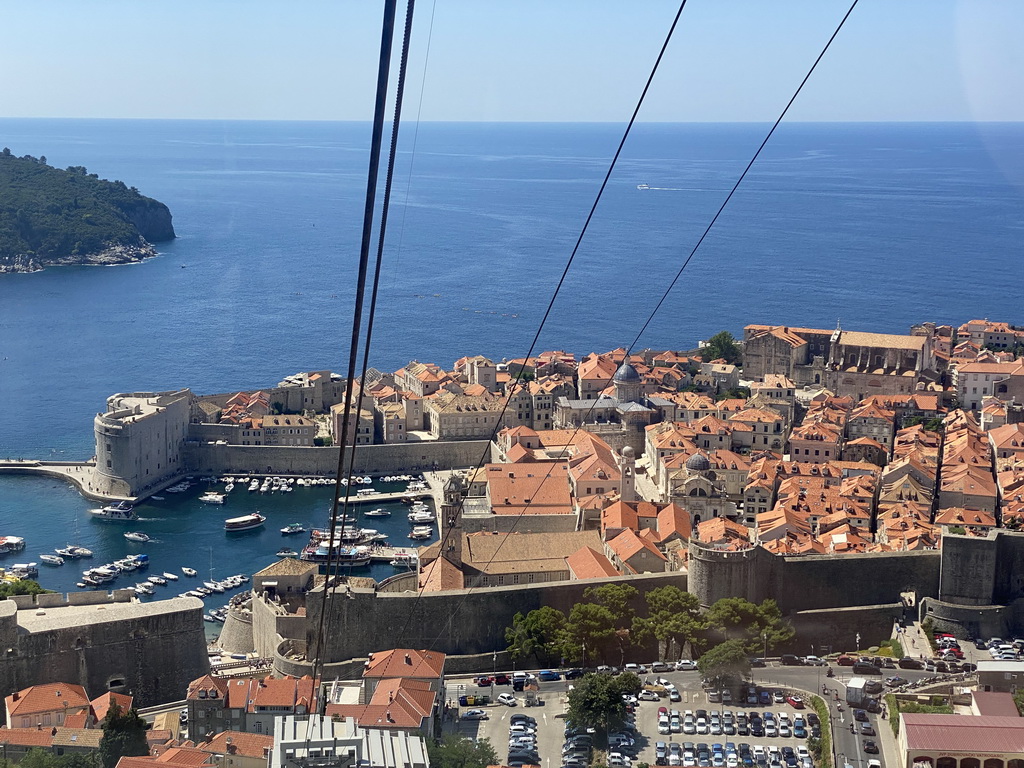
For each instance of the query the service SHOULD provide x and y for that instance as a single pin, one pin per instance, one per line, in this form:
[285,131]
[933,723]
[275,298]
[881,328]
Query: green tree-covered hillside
[52,216]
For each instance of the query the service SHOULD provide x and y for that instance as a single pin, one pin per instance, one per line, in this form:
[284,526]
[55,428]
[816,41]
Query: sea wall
[209,458]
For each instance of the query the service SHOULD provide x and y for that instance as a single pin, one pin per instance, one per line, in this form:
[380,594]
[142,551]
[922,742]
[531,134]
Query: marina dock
[387,554]
[378,498]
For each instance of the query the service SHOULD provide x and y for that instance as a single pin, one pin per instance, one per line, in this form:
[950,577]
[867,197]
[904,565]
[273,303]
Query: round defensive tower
[714,574]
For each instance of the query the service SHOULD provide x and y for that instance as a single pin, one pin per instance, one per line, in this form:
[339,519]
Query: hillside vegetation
[50,216]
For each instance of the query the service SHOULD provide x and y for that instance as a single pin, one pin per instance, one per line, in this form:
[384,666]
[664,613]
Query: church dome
[698,463]
[626,374]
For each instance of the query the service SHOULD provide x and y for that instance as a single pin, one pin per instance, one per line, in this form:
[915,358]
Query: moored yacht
[245,522]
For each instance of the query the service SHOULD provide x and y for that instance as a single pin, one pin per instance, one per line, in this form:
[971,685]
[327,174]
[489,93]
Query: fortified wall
[103,641]
[981,589]
[457,622]
[206,458]
[812,582]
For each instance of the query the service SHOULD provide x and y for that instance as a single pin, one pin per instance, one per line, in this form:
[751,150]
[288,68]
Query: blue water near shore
[880,226]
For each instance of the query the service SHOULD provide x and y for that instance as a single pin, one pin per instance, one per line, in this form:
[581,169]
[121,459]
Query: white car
[648,696]
[507,699]
[664,726]
[686,665]
[475,714]
[814,661]
[629,699]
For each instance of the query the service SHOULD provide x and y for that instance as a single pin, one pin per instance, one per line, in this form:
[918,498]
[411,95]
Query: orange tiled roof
[405,662]
[586,563]
[255,745]
[48,697]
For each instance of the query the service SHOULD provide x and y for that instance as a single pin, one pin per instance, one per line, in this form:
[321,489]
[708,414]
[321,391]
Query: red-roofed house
[404,663]
[238,749]
[631,553]
[587,563]
[45,705]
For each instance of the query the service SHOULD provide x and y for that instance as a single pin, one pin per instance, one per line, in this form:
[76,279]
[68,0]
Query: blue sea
[878,226]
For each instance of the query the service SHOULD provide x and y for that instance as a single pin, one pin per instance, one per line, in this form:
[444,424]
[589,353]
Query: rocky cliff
[54,217]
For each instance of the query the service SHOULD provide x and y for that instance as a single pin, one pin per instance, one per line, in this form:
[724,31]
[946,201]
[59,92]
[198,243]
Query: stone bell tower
[451,519]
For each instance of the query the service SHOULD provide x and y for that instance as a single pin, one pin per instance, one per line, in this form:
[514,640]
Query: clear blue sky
[535,60]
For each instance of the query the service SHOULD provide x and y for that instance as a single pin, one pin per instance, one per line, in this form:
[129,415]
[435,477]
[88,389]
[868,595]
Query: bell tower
[451,519]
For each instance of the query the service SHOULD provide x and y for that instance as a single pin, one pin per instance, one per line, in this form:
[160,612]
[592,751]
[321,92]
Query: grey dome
[626,374]
[698,463]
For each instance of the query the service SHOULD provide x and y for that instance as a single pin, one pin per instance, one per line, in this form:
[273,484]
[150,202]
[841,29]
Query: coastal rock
[66,217]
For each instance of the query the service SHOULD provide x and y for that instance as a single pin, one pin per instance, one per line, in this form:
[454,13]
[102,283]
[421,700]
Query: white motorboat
[212,497]
[170,576]
[157,580]
[121,512]
[245,522]
[287,552]
[422,516]
[189,571]
[138,536]
[379,513]
[421,532]
[293,528]
[52,559]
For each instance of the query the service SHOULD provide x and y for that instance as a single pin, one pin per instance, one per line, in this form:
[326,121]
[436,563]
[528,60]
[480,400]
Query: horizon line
[522,122]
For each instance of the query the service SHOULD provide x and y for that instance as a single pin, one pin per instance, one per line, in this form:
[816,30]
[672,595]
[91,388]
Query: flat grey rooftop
[50,619]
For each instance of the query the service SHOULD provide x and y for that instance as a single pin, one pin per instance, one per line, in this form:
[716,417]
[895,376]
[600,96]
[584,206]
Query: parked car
[502,680]
[507,699]
[548,674]
[647,696]
[758,662]
[908,663]
[686,665]
[484,681]
[795,702]
[573,674]
[475,714]
[870,747]
[846,661]
[814,661]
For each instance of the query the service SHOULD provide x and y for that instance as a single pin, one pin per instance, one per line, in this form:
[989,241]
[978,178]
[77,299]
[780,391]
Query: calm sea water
[879,225]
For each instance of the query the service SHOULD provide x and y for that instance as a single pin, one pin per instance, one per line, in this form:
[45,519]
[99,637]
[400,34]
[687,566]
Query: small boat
[379,513]
[73,551]
[208,617]
[52,559]
[287,552]
[229,488]
[188,571]
[213,586]
[404,560]
[170,576]
[121,512]
[160,580]
[421,516]
[196,593]
[137,536]
[145,588]
[157,498]
[244,523]
[421,532]
[643,186]
[293,528]
[212,497]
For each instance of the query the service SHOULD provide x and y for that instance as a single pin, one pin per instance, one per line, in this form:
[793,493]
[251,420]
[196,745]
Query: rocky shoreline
[112,256]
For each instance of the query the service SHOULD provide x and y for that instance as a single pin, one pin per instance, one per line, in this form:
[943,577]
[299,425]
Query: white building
[320,742]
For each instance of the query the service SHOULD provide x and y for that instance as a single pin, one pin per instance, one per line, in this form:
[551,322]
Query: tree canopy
[124,735]
[48,214]
[722,345]
[20,587]
[725,662]
[539,634]
[596,700]
[455,751]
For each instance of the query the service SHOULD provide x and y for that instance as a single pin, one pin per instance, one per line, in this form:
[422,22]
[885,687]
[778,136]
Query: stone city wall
[152,656]
[838,628]
[519,524]
[207,458]
[464,621]
[812,582]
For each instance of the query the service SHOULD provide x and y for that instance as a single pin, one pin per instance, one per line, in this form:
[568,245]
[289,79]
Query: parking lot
[716,734]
